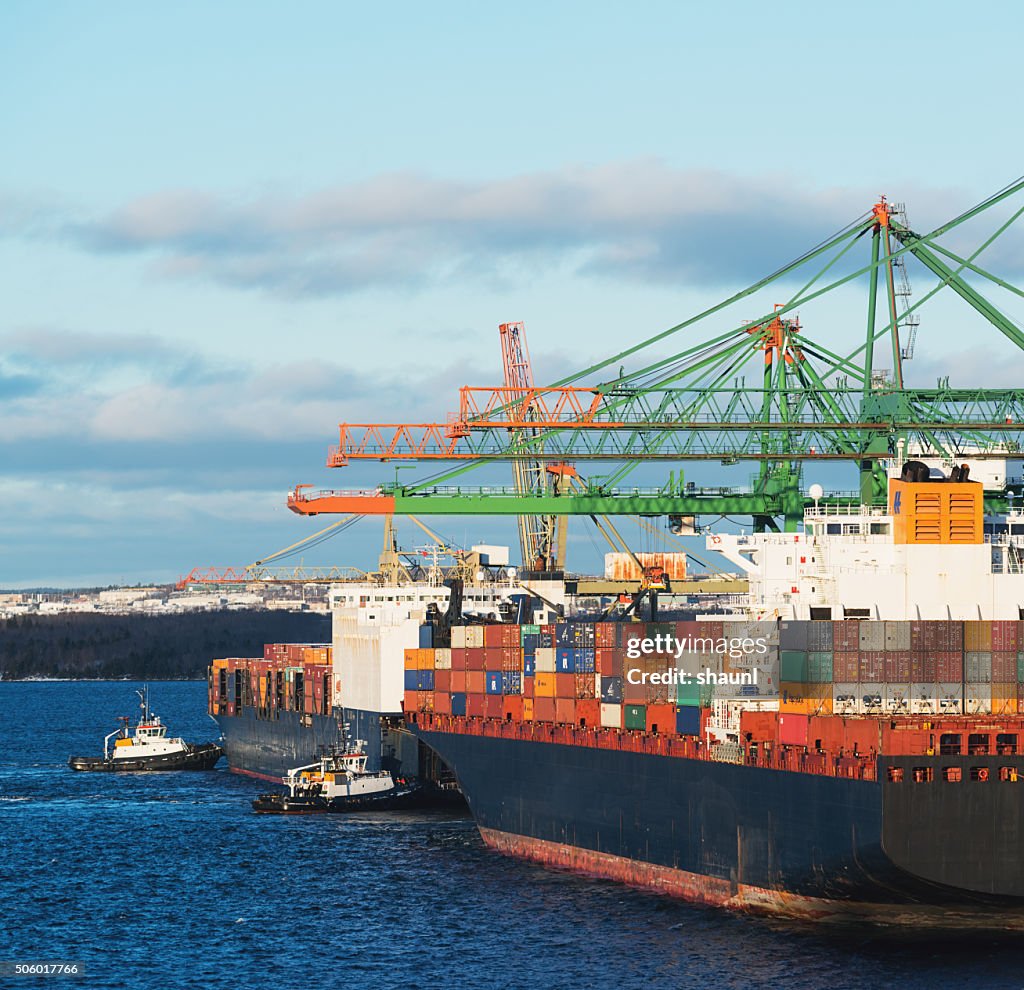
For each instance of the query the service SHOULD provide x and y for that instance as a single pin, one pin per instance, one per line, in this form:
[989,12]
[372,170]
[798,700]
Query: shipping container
[978,697]
[476,705]
[476,682]
[493,705]
[411,680]
[896,698]
[950,667]
[635,717]
[846,667]
[565,660]
[442,658]
[565,685]
[586,685]
[611,690]
[528,709]
[442,703]
[611,716]
[872,664]
[1004,696]
[846,636]
[897,637]
[609,661]
[977,666]
[588,712]
[977,637]
[512,708]
[688,721]
[607,634]
[897,666]
[424,680]
[426,635]
[872,637]
[1005,636]
[442,681]
[545,660]
[458,641]
[565,711]
[949,695]
[494,658]
[794,636]
[458,681]
[793,729]
[1004,666]
[846,697]
[544,685]
[793,665]
[544,709]
[529,665]
[819,637]
[475,637]
[512,683]
[820,667]
[494,682]
[661,719]
[475,658]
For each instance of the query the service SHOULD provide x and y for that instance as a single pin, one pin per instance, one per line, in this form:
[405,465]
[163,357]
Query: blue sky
[225,228]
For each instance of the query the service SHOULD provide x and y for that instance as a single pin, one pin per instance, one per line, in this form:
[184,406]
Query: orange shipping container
[544,685]
[527,709]
[588,712]
[458,682]
[426,659]
[442,703]
[476,682]
[544,709]
[411,659]
[565,685]
[512,708]
[661,719]
[565,711]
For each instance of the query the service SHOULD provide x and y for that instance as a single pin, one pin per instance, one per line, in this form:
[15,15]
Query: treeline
[139,647]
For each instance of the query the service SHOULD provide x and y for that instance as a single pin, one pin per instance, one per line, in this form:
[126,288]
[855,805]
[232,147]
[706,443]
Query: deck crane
[811,402]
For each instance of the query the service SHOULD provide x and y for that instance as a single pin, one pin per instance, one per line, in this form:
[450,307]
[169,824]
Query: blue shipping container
[611,690]
[529,664]
[586,660]
[565,660]
[530,641]
[512,683]
[563,635]
[426,637]
[494,682]
[411,680]
[688,721]
[424,680]
[458,704]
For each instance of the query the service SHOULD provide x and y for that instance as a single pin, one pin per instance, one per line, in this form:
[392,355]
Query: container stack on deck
[902,668]
[294,677]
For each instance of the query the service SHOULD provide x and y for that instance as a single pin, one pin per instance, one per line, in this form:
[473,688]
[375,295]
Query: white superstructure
[846,562]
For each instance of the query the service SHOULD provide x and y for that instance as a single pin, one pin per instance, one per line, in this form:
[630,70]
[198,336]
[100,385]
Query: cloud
[639,220]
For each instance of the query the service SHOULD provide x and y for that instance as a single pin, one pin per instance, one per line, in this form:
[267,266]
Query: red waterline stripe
[259,776]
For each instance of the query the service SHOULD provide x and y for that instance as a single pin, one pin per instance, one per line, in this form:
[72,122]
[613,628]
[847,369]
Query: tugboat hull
[400,798]
[202,757]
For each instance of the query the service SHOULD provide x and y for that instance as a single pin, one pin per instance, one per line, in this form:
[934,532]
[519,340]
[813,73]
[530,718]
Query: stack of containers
[937,667]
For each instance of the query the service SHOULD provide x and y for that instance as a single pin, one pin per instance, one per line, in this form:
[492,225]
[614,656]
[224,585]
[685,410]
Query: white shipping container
[924,699]
[458,637]
[950,698]
[442,658]
[545,660]
[872,636]
[611,716]
[846,699]
[978,698]
[896,699]
[474,637]
[978,667]
[897,636]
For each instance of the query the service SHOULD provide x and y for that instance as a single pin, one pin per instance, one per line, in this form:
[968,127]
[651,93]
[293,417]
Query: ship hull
[202,757]
[742,837]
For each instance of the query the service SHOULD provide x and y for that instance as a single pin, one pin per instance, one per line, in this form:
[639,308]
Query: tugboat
[339,782]
[146,746]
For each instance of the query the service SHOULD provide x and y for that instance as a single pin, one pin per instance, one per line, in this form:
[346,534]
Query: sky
[227,228]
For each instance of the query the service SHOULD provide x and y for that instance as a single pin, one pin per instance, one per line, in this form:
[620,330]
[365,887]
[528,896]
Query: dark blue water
[169,881]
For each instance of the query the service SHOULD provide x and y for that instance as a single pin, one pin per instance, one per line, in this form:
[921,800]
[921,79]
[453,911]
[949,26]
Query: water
[168,880]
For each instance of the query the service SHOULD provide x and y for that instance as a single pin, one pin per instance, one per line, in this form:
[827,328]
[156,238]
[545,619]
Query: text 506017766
[42,967]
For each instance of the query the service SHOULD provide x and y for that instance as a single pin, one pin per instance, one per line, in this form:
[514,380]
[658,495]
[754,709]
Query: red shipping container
[409,701]
[459,658]
[950,666]
[511,659]
[475,658]
[759,726]
[565,711]
[588,712]
[512,708]
[924,668]
[633,694]
[475,704]
[494,635]
[458,681]
[494,658]
[606,634]
[476,682]
[442,681]
[661,719]
[544,709]
[1004,638]
[609,661]
[527,687]
[512,636]
[897,667]
[565,685]
[845,667]
[860,735]
[1004,665]
[872,667]
[442,703]
[793,729]
[706,628]
[846,636]
[825,733]
[585,686]
[492,706]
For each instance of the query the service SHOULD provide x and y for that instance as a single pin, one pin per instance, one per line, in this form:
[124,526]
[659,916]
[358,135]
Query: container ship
[873,770]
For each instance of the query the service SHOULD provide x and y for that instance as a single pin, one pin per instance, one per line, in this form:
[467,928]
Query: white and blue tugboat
[146,746]
[339,782]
